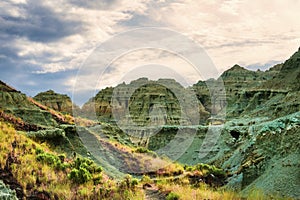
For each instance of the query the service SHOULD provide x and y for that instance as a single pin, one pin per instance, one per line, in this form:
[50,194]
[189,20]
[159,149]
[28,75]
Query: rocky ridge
[141,97]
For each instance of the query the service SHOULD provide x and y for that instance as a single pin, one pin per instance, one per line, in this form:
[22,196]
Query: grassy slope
[34,176]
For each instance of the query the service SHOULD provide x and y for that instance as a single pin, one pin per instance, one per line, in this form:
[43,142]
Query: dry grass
[34,175]
[187,192]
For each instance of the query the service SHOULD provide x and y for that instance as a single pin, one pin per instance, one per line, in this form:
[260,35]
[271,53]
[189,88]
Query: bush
[52,160]
[146,179]
[145,150]
[129,182]
[189,168]
[82,169]
[172,196]
[97,179]
[85,170]
[207,169]
[202,167]
[134,182]
[38,151]
[48,159]
[62,157]
[80,176]
[61,166]
[142,150]
[87,164]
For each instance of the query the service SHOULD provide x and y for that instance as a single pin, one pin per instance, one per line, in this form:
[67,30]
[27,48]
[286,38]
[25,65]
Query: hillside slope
[259,144]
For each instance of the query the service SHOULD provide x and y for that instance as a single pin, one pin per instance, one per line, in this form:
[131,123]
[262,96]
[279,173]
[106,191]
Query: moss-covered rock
[6,193]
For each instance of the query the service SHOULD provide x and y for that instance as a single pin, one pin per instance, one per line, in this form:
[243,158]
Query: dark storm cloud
[39,24]
[8,52]
[8,48]
[15,73]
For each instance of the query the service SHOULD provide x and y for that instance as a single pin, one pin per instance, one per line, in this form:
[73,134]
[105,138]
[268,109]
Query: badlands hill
[247,130]
[258,145]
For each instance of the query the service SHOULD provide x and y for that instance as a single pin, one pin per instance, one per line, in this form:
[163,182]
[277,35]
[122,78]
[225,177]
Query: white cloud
[69,52]
[149,60]
[231,31]
[237,31]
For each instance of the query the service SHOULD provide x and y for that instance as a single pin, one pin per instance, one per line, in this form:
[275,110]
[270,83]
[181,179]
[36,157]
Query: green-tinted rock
[58,102]
[6,193]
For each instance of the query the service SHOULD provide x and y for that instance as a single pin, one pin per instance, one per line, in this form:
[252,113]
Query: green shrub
[84,170]
[97,179]
[189,168]
[74,175]
[206,169]
[134,182]
[62,158]
[48,159]
[87,164]
[128,183]
[80,175]
[61,166]
[56,162]
[172,196]
[217,171]
[142,150]
[145,150]
[202,167]
[146,179]
[38,151]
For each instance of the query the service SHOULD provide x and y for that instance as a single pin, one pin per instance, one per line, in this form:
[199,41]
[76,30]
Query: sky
[48,44]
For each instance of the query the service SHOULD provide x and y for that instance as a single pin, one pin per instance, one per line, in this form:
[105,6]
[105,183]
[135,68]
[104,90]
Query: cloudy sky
[43,44]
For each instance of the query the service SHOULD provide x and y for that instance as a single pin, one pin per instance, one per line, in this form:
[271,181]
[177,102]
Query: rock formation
[59,102]
[143,106]
[260,139]
[142,98]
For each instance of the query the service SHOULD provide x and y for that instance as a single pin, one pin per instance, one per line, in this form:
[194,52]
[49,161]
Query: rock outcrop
[59,102]
[255,93]
[143,107]
[142,98]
